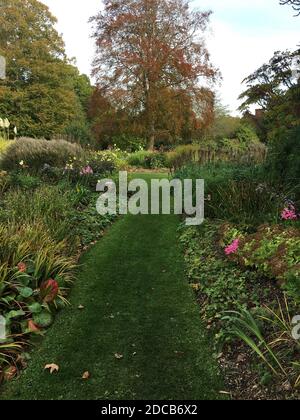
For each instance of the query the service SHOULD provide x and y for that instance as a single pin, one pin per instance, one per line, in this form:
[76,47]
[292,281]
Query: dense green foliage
[284,159]
[147,160]
[219,284]
[43,94]
[274,251]
[238,193]
[275,88]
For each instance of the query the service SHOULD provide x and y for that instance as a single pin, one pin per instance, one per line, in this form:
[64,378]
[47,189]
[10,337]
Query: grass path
[138,304]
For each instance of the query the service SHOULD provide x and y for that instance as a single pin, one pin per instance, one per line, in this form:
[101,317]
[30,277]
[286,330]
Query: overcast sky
[243,35]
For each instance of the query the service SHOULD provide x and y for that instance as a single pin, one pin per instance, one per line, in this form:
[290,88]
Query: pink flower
[87,171]
[289,213]
[231,249]
[22,267]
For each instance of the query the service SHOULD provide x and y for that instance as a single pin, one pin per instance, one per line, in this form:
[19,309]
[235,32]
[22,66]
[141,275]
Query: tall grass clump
[237,193]
[34,154]
[147,160]
[225,151]
[50,205]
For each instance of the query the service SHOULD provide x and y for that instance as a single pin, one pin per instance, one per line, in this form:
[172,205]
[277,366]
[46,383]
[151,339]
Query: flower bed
[250,316]
[274,250]
[43,230]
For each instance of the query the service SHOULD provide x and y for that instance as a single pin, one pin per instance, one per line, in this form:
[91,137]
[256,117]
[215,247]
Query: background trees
[275,88]
[42,93]
[151,54]
[294,3]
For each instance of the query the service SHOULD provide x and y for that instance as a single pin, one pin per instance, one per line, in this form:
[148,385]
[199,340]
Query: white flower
[15,130]
[1,123]
[6,123]
[21,163]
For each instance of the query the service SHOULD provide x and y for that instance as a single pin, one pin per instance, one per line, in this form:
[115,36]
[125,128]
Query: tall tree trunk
[149,115]
[151,136]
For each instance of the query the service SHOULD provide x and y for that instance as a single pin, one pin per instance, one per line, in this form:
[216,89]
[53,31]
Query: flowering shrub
[272,250]
[289,213]
[114,158]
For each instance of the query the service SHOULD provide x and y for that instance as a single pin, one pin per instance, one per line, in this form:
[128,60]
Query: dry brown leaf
[10,373]
[86,375]
[52,367]
[32,326]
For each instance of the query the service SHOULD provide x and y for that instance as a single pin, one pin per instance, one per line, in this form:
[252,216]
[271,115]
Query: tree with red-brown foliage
[148,50]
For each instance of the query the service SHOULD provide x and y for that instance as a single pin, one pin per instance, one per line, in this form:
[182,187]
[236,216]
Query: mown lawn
[137,306]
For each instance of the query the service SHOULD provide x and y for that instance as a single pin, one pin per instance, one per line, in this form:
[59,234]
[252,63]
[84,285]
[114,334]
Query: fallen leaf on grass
[52,367]
[10,373]
[119,356]
[86,375]
[80,307]
[32,326]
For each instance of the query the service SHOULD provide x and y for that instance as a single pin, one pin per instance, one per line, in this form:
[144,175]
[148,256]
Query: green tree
[39,94]
[224,124]
[275,88]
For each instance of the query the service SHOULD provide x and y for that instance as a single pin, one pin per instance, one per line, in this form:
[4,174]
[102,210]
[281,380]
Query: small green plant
[276,347]
[244,326]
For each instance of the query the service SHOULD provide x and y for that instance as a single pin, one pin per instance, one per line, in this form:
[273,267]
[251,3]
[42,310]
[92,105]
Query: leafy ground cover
[244,267]
[133,328]
[250,316]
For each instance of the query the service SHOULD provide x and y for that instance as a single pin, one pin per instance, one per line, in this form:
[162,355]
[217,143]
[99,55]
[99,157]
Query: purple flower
[87,171]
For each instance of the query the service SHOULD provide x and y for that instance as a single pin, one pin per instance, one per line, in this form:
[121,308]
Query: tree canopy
[39,93]
[151,59]
[275,87]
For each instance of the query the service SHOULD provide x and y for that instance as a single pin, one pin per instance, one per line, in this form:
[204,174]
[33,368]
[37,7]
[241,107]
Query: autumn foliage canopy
[152,67]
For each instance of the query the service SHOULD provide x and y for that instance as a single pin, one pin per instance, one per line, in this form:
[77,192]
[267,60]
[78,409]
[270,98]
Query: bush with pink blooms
[274,250]
[290,212]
